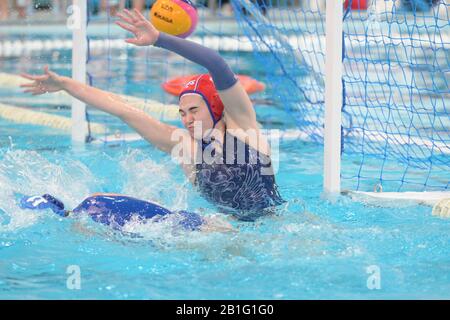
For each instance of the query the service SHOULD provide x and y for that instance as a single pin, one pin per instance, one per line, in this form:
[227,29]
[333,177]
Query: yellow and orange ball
[175,17]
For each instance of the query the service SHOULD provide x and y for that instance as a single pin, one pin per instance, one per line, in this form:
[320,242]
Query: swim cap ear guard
[43,202]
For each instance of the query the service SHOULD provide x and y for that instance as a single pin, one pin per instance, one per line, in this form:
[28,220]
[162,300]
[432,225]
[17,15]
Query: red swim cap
[203,85]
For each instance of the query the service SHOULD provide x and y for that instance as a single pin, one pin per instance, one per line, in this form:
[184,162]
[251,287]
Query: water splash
[30,173]
[153,181]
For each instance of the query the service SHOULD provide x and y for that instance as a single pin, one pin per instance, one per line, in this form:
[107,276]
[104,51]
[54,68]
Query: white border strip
[285,135]
[307,43]
[398,199]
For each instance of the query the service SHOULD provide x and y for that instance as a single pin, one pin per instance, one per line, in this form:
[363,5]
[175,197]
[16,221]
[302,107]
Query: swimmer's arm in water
[154,131]
[216,224]
[239,110]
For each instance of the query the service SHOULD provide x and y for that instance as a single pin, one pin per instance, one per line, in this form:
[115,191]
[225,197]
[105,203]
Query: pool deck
[47,23]
[55,18]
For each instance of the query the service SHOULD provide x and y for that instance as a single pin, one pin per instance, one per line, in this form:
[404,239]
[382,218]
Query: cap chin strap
[203,139]
[216,121]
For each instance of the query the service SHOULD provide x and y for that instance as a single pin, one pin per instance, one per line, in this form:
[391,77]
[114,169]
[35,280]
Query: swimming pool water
[312,248]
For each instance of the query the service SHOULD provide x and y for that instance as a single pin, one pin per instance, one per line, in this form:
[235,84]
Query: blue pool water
[311,249]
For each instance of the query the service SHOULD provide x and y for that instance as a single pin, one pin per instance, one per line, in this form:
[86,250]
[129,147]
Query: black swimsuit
[245,188]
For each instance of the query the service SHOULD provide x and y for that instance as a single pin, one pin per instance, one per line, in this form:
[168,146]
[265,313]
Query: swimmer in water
[116,210]
[234,172]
